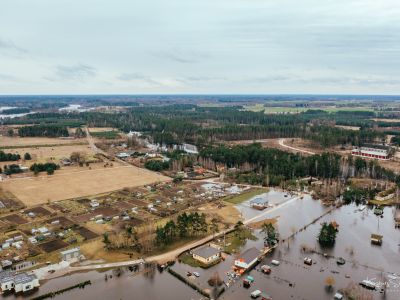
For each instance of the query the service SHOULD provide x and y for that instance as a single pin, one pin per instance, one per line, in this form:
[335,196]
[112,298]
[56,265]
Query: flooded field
[292,279]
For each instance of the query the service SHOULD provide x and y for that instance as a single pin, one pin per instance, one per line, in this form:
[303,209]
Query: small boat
[308,261]
[368,284]
[275,262]
[378,211]
[266,269]
[362,207]
[340,261]
[338,296]
[255,294]
[250,278]
[265,296]
[246,283]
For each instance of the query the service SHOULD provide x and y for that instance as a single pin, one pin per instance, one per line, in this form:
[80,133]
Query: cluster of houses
[17,282]
[16,241]
[39,234]
[211,254]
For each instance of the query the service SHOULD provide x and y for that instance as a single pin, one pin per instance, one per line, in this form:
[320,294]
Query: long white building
[375,153]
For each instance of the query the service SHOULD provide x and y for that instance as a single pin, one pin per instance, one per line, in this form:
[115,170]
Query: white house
[70,254]
[206,254]
[21,282]
[24,282]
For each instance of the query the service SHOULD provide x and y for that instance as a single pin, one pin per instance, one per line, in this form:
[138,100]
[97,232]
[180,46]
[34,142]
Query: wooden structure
[376,239]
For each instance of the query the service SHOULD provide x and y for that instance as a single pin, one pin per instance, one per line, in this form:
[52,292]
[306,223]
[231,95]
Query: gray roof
[6,276]
[259,200]
[69,251]
[249,255]
[23,278]
[206,251]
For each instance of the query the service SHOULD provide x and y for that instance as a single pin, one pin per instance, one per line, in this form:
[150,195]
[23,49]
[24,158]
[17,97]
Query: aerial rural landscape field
[214,206]
[200,150]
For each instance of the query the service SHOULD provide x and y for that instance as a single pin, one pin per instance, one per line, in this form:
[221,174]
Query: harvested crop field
[65,185]
[18,142]
[38,211]
[63,221]
[44,154]
[14,219]
[53,245]
[86,233]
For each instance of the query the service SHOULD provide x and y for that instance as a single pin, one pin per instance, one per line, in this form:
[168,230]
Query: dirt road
[282,143]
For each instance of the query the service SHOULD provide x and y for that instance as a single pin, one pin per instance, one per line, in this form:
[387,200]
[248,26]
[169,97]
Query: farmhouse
[381,154]
[247,259]
[21,282]
[70,254]
[206,255]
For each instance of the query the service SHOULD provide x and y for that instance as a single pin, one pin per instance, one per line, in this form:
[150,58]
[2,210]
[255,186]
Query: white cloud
[207,46]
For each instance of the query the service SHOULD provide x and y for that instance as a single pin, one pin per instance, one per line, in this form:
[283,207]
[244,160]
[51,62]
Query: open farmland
[18,142]
[64,185]
[54,153]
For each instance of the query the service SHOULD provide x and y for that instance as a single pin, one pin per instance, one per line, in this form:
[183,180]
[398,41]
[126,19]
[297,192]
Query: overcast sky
[199,46]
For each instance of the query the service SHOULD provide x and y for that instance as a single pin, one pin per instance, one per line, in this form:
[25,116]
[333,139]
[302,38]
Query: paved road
[282,143]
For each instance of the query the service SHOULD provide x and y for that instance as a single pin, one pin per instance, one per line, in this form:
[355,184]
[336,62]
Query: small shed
[376,239]
[259,203]
[70,254]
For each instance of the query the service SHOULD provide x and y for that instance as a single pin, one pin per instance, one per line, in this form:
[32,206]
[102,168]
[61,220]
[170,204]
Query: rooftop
[259,200]
[69,251]
[206,251]
[249,255]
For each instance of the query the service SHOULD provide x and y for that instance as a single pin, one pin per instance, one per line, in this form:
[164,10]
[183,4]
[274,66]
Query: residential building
[70,254]
[21,282]
[206,255]
[247,259]
[259,203]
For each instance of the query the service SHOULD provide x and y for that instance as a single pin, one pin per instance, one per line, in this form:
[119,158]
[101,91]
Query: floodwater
[292,279]
[156,286]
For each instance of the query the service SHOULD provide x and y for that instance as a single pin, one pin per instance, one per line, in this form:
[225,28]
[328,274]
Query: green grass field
[236,199]
[277,109]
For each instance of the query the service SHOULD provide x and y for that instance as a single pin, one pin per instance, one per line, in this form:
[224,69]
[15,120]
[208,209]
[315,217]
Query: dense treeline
[12,111]
[178,123]
[257,165]
[9,156]
[43,131]
[46,167]
[157,165]
[187,225]
[11,169]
